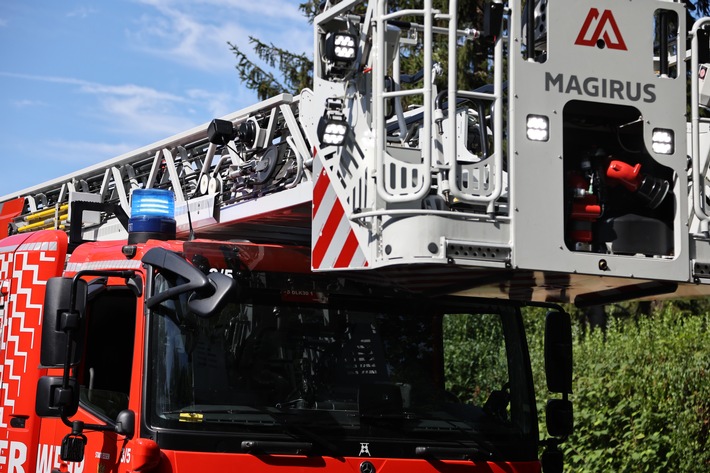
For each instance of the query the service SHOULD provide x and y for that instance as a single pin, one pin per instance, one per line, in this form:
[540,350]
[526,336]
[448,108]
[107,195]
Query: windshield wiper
[271,447]
[470,449]
[302,431]
[212,410]
[280,419]
[477,452]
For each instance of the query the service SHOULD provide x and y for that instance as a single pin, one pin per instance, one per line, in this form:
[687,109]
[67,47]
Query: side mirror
[552,458]
[54,400]
[126,423]
[559,417]
[223,285]
[63,324]
[558,352]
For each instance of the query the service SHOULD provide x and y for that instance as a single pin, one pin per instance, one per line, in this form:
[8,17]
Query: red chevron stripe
[319,190]
[348,251]
[326,236]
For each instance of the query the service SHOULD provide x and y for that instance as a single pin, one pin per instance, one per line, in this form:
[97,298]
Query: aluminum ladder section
[206,177]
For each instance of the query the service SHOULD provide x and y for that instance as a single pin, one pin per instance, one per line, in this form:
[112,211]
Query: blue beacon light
[152,215]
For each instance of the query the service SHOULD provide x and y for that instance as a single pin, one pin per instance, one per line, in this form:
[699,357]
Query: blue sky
[84,81]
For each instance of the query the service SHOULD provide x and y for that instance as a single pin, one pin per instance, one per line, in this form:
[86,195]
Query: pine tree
[295,71]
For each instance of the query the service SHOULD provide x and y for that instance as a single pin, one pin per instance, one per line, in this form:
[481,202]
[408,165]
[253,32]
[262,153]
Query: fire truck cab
[173,355]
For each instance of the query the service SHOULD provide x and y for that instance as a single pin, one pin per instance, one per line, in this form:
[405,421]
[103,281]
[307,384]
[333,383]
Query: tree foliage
[286,71]
[472,55]
[641,392]
[699,7]
[474,356]
[295,70]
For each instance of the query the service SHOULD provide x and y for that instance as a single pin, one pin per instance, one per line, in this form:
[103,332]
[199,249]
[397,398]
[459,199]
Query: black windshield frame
[393,433]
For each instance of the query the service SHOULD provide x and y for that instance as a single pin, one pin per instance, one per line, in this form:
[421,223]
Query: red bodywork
[29,444]
[8,211]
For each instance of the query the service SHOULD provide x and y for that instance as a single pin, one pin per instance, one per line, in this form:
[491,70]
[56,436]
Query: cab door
[106,382]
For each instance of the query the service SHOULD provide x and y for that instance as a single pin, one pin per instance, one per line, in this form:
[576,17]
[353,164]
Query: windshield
[345,375]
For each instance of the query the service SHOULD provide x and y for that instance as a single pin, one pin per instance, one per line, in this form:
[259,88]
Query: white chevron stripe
[24,266]
[5,263]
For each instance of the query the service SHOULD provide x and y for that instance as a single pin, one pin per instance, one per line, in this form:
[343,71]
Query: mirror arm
[160,258]
[72,448]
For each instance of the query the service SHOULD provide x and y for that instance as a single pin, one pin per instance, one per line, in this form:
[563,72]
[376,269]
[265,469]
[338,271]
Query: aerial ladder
[572,176]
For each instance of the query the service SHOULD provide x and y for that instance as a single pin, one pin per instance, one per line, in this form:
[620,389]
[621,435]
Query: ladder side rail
[497,98]
[396,86]
[83,185]
[300,169]
[131,176]
[297,142]
[423,176]
[216,172]
[104,190]
[174,177]
[170,163]
[120,189]
[189,160]
[273,122]
[64,192]
[295,130]
[698,183]
[155,168]
[31,203]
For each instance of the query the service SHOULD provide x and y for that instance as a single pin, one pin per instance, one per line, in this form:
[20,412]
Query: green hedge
[641,393]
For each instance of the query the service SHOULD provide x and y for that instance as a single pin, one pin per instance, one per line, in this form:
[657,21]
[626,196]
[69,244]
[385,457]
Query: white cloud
[218,104]
[28,103]
[129,108]
[148,118]
[83,153]
[81,12]
[128,90]
[282,9]
[179,36]
[3,22]
[195,33]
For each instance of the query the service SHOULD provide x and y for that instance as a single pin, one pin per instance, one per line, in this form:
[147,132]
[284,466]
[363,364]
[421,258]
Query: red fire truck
[162,355]
[335,280]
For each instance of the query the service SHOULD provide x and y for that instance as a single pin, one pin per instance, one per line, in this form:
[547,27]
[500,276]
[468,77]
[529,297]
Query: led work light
[537,128]
[340,47]
[662,141]
[333,127]
[333,131]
